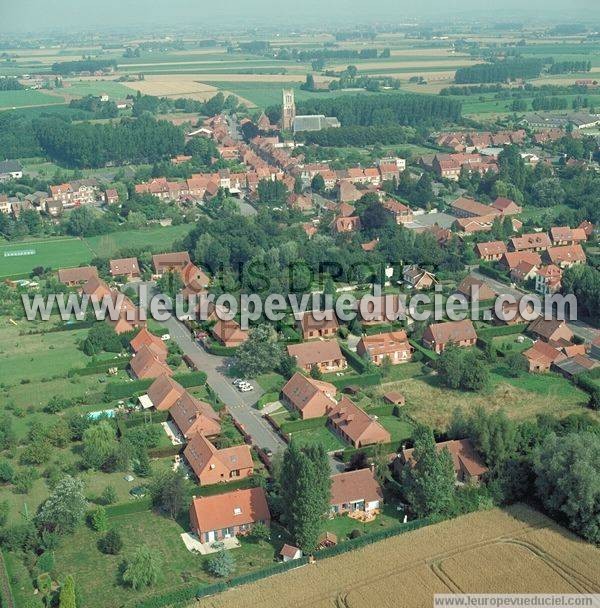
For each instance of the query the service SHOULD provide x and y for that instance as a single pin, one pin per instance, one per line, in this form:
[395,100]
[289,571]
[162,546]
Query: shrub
[111,543]
[98,519]
[7,471]
[222,564]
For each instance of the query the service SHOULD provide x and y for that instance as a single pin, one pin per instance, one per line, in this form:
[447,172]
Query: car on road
[238,381]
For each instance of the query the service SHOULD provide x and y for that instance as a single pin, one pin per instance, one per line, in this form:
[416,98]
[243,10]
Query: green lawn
[398,428]
[510,344]
[81,88]
[342,525]
[322,435]
[271,383]
[98,577]
[55,253]
[19,99]
[158,239]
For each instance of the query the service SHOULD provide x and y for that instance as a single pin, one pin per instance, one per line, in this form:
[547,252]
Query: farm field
[428,401]
[20,99]
[483,552]
[56,253]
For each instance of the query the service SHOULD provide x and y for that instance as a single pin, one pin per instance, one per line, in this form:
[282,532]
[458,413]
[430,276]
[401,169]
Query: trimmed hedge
[300,425]
[171,450]
[220,351]
[494,273]
[428,354]
[586,383]
[99,368]
[502,330]
[371,450]
[356,362]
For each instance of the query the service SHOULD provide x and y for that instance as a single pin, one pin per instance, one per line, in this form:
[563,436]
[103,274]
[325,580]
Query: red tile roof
[353,486]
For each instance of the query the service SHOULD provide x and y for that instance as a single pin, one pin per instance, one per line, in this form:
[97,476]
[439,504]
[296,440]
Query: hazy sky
[73,15]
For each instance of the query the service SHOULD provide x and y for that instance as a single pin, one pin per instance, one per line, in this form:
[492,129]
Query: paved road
[240,405]
[579,328]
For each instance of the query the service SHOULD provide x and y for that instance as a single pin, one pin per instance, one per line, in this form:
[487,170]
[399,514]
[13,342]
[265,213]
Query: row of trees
[83,65]
[499,71]
[361,136]
[567,67]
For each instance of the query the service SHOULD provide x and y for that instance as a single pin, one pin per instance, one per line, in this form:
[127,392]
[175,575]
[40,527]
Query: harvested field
[482,552]
[173,86]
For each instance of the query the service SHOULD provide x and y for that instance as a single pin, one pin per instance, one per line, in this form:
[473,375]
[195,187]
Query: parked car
[165,337]
[244,388]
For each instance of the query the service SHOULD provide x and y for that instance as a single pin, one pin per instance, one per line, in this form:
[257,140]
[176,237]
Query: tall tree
[67,598]
[260,352]
[64,510]
[143,568]
[429,484]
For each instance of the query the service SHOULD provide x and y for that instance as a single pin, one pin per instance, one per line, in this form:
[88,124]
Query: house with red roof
[192,416]
[313,327]
[145,364]
[490,251]
[393,345]
[355,491]
[154,343]
[438,336]
[323,354]
[214,518]
[125,267]
[354,425]
[311,398]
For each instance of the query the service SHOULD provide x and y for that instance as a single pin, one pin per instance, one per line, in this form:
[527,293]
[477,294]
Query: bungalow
[192,416]
[289,553]
[490,251]
[438,336]
[553,330]
[125,267]
[566,256]
[468,465]
[355,491]
[470,286]
[417,278]
[214,518]
[211,465]
[170,262]
[229,333]
[145,364]
[164,392]
[355,426]
[154,343]
[77,276]
[312,398]
[541,356]
[506,206]
[381,309]
[563,235]
[394,345]
[312,327]
[324,354]
[534,241]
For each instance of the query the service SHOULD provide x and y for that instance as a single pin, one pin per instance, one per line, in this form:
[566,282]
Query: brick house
[506,206]
[400,213]
[211,465]
[164,392]
[192,416]
[312,398]
[145,364]
[324,354]
[417,278]
[490,251]
[355,491]
[468,465]
[552,330]
[354,425]
[566,256]
[77,276]
[563,235]
[125,267]
[394,345]
[534,241]
[154,343]
[170,262]
[214,518]
[312,328]
[229,333]
[541,356]
[438,336]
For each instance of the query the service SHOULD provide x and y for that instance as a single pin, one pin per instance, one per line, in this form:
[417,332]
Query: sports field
[24,98]
[22,257]
[484,552]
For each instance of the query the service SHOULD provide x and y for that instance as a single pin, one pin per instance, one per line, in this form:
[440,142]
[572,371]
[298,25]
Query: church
[313,122]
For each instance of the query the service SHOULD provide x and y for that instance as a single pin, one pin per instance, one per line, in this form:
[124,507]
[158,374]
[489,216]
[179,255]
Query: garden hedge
[502,330]
[356,362]
[362,380]
[120,390]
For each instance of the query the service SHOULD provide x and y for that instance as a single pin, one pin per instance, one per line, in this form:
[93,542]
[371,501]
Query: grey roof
[10,166]
[572,366]
[314,122]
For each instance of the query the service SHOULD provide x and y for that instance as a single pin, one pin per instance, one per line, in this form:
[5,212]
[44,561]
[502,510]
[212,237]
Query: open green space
[23,98]
[54,253]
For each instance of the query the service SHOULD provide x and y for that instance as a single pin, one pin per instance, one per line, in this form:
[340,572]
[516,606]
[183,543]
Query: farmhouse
[468,465]
[541,356]
[468,207]
[125,267]
[211,465]
[164,392]
[355,491]
[227,515]
[312,398]
[394,345]
[170,262]
[312,327]
[229,333]
[355,426]
[193,416]
[154,343]
[145,364]
[438,336]
[324,354]
[77,276]
[490,251]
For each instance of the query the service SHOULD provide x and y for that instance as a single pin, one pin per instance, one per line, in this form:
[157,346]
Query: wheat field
[510,550]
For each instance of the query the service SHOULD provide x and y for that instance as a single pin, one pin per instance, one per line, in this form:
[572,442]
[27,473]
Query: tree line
[499,71]
[83,65]
[10,84]
[567,67]
[360,136]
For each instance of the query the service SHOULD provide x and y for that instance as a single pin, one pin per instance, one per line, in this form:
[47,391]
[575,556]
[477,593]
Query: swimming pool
[101,414]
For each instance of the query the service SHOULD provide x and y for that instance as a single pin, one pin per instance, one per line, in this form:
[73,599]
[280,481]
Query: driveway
[239,405]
